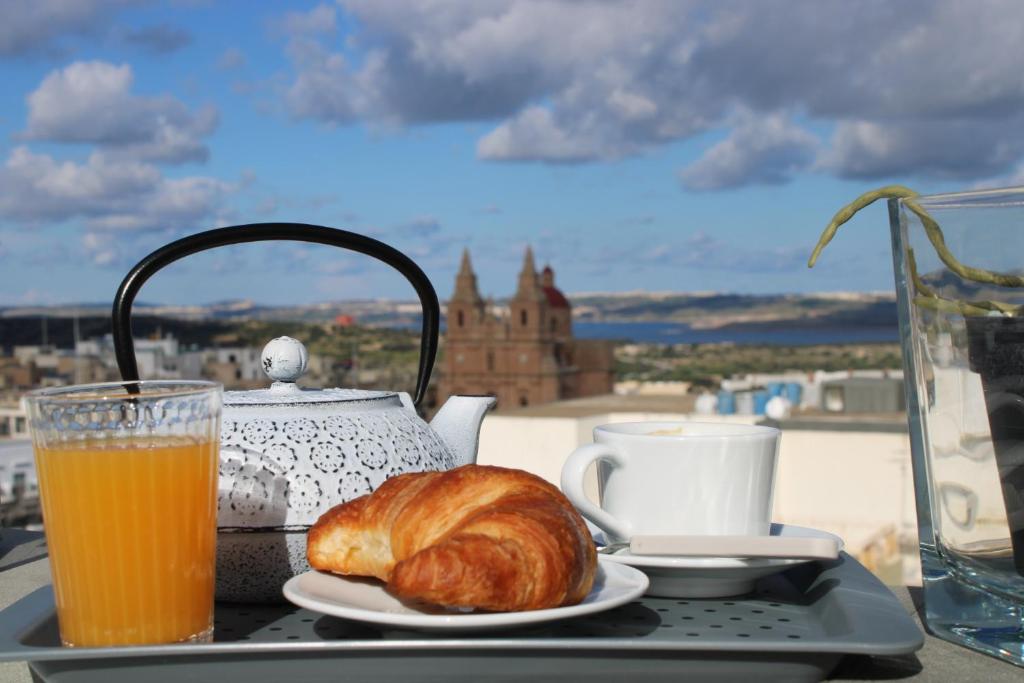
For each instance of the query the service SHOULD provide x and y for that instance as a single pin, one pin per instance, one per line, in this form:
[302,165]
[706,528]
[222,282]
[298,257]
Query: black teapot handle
[124,348]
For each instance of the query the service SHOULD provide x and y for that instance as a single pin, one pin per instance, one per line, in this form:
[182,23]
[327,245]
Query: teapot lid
[285,360]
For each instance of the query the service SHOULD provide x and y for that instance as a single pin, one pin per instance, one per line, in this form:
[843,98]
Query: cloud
[91,102]
[1015,178]
[231,58]
[958,149]
[33,26]
[763,150]
[159,39]
[107,194]
[535,134]
[102,249]
[701,251]
[322,19]
[267,206]
[576,82]
[421,226]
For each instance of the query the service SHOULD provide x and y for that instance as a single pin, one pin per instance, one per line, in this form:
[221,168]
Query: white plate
[710,577]
[366,600]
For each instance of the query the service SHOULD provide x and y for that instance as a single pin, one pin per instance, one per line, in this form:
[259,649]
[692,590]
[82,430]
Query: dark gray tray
[796,626]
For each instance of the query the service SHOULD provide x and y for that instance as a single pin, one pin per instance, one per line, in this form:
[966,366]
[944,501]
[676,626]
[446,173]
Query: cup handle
[572,485]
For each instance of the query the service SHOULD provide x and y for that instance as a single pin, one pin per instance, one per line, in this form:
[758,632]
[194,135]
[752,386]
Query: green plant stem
[927,297]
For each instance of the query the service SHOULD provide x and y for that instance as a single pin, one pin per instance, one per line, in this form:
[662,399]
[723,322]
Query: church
[526,357]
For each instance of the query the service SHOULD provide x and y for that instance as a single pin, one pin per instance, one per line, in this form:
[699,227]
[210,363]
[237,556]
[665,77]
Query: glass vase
[963,352]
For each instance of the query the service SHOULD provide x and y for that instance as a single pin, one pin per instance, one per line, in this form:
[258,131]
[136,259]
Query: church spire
[529,285]
[465,282]
[465,268]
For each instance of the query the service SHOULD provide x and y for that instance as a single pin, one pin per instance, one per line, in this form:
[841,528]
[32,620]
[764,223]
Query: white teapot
[288,454]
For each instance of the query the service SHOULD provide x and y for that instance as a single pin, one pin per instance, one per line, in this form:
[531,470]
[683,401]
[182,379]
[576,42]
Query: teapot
[287,453]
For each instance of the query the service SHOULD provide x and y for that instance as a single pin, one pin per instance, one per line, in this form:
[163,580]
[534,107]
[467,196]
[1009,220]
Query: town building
[527,356]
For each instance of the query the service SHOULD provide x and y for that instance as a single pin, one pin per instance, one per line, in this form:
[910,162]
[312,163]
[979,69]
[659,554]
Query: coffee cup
[677,478]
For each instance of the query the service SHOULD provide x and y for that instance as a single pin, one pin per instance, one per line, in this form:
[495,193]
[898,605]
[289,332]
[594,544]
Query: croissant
[477,536]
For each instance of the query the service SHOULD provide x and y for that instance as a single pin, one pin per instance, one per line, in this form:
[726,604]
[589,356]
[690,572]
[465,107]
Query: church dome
[554,295]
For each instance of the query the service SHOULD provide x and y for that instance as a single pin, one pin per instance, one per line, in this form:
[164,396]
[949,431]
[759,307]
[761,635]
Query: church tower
[523,358]
[528,308]
[466,307]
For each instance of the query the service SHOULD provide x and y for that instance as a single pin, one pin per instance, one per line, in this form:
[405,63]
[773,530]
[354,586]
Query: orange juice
[131,528]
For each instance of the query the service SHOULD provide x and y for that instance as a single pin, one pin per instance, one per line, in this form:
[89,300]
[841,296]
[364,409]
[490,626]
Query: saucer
[365,600]
[709,577]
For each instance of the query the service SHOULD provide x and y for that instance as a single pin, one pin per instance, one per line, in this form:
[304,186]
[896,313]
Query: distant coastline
[776,334]
[662,318]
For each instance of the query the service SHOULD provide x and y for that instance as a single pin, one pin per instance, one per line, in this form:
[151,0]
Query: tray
[796,625]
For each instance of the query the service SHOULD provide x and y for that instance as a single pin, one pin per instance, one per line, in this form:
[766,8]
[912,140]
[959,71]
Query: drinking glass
[128,482]
[963,351]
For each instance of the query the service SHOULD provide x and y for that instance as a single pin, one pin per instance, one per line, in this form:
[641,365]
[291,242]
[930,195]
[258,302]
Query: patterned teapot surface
[289,454]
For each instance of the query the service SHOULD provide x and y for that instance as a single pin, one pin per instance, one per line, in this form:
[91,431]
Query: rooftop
[605,403]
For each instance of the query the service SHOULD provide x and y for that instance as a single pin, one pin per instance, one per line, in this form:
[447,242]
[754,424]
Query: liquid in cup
[130,523]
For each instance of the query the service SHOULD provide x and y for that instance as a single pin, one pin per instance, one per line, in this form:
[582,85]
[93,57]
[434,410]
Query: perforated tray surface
[795,626]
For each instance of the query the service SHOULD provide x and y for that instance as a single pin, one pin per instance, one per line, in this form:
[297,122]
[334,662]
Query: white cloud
[106,194]
[91,102]
[763,150]
[957,149]
[30,26]
[566,81]
[102,248]
[534,134]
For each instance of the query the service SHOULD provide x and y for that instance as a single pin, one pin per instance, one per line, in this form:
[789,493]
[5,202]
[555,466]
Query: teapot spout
[458,424]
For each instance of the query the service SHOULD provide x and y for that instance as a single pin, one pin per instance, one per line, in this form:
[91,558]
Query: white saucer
[366,600]
[709,577]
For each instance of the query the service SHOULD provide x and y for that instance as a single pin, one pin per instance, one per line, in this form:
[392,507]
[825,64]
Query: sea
[681,333]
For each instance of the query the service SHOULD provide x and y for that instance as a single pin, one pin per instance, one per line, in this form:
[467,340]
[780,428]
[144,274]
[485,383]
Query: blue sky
[636,145]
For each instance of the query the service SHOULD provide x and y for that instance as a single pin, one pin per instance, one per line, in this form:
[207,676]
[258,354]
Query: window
[522,317]
[231,358]
[238,374]
[554,324]
[490,361]
[19,425]
[462,319]
[524,400]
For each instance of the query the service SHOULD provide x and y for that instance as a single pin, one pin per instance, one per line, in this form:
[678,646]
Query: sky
[636,145]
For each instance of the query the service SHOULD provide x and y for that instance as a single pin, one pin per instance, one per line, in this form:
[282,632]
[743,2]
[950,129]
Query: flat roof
[606,403]
[820,420]
[812,419]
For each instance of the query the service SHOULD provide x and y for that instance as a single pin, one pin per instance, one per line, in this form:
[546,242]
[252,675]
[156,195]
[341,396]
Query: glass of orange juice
[128,481]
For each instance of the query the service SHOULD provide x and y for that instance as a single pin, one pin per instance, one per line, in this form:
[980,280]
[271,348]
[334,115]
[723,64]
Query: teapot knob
[284,359]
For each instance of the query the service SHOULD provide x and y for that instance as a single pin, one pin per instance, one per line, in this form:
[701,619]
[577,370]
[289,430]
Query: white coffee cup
[668,478]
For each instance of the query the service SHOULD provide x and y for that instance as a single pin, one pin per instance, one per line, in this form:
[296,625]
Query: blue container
[793,391]
[776,388]
[761,401]
[726,403]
